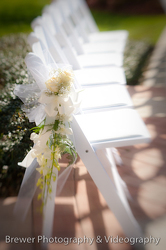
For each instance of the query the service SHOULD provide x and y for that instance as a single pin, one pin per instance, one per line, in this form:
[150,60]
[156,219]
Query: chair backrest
[81,7]
[79,20]
[57,44]
[72,6]
[88,15]
[60,44]
[61,14]
[67,19]
[71,13]
[116,73]
[47,57]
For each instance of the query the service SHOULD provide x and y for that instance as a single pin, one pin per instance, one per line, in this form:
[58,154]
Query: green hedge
[14,126]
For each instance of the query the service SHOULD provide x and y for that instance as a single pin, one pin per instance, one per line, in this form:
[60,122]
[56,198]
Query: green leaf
[39,127]
[56,125]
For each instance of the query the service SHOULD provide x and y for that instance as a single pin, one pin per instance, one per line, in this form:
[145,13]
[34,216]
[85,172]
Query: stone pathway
[81,207]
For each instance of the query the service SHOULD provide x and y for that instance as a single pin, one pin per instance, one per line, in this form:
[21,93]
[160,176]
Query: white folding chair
[94,133]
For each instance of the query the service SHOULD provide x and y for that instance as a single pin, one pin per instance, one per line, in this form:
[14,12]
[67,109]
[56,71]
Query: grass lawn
[16,15]
[141,27]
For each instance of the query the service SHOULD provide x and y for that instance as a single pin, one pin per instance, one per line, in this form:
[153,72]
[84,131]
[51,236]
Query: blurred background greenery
[141,27]
[16,16]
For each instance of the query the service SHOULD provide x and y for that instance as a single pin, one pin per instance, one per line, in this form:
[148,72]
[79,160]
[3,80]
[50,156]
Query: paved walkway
[81,210]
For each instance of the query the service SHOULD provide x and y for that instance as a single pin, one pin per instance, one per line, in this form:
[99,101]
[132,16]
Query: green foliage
[136,55]
[56,125]
[140,27]
[39,128]
[16,15]
[21,11]
[14,126]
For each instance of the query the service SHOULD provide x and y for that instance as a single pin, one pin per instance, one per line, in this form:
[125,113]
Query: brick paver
[143,171]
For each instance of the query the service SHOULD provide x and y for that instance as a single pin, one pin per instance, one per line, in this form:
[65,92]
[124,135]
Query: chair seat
[108,36]
[113,128]
[108,96]
[103,59]
[101,75]
[104,47]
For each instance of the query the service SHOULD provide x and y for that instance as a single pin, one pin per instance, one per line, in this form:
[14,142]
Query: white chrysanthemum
[34,137]
[64,131]
[60,82]
[53,84]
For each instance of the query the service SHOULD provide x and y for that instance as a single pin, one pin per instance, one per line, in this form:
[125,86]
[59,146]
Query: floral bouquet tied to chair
[51,136]
[50,101]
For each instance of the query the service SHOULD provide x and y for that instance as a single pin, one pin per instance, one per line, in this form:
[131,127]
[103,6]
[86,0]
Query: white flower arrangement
[51,136]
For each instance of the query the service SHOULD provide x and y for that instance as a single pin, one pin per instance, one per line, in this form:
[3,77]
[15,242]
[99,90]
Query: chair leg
[102,180]
[48,212]
[106,158]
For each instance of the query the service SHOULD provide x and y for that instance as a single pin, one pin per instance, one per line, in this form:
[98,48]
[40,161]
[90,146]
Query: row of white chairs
[66,33]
